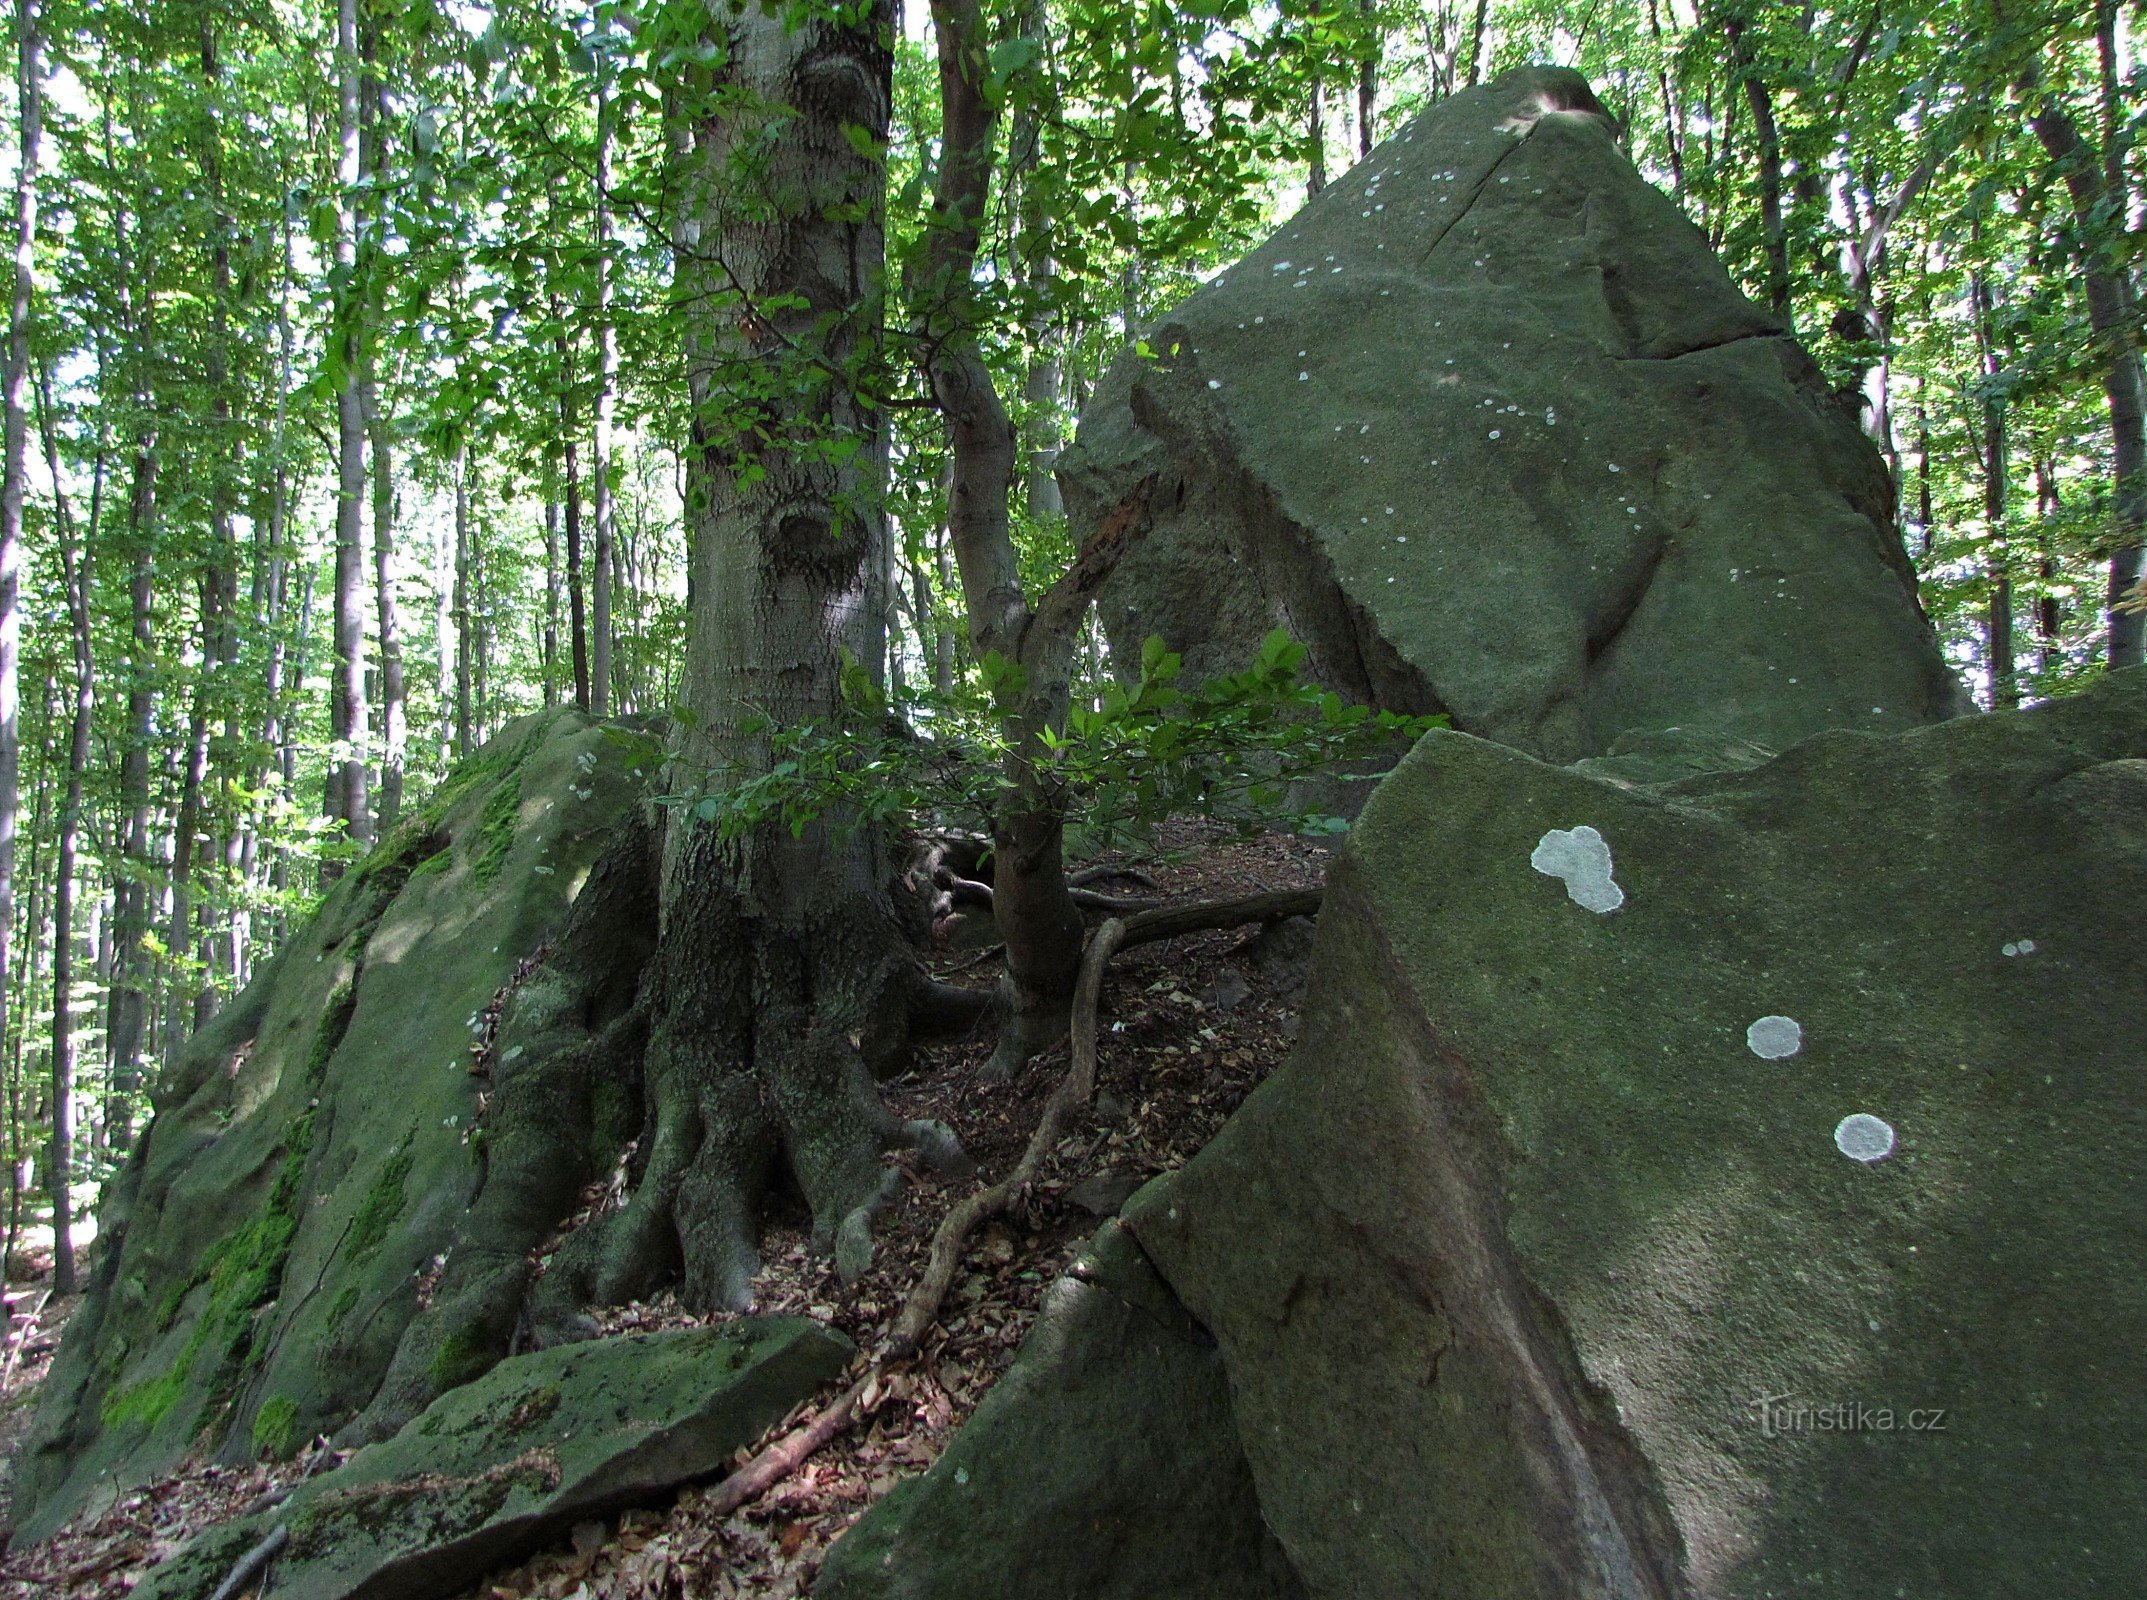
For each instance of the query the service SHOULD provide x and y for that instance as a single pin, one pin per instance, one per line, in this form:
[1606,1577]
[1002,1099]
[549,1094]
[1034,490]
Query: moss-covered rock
[1771,1227]
[260,1254]
[1490,430]
[540,1442]
[1103,1465]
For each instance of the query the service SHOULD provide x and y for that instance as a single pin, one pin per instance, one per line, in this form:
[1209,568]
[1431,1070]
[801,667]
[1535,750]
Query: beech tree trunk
[570,453]
[30,103]
[464,725]
[346,798]
[2113,316]
[1998,614]
[607,363]
[127,1002]
[551,601]
[1774,233]
[778,966]
[394,712]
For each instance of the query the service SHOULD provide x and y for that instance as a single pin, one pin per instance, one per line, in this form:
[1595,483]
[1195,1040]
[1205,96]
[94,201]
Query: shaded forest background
[347,413]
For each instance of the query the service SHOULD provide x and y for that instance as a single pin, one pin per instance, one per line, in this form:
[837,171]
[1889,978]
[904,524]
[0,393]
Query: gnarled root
[756,1069]
[920,1309]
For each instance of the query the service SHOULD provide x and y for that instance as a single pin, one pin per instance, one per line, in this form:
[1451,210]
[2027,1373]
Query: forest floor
[1188,1028]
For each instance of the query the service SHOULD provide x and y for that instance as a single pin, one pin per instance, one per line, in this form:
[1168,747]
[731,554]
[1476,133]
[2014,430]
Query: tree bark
[1773,232]
[1032,908]
[29,86]
[1998,614]
[777,961]
[2113,316]
[464,740]
[1476,42]
[2048,645]
[394,709]
[1368,78]
[551,601]
[346,800]
[570,453]
[1316,142]
[607,377]
[127,1002]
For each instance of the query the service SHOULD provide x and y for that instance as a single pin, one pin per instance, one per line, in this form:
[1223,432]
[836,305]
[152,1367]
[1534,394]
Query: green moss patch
[464,1354]
[496,833]
[382,1204]
[275,1428]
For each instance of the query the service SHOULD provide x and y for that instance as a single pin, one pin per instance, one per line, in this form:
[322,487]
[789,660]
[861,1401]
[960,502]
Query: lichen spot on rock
[1581,857]
[1774,1038]
[1863,1137]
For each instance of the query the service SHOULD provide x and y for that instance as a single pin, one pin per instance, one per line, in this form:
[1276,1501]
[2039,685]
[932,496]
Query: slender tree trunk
[275,713]
[29,85]
[1998,620]
[347,802]
[1043,379]
[1923,475]
[599,698]
[464,711]
[75,579]
[2113,316]
[1476,42]
[1673,128]
[127,1006]
[570,449]
[446,567]
[1032,904]
[183,1000]
[1316,142]
[551,601]
[1368,78]
[2049,653]
[1773,232]
[394,708]
[943,646]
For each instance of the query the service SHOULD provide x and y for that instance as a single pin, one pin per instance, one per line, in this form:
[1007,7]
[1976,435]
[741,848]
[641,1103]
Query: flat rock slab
[497,1468]
[1103,1466]
[1775,1231]
[1489,429]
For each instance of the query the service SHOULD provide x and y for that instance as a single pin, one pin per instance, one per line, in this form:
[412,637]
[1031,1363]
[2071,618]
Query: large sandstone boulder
[1739,1199]
[1488,428]
[1720,1188]
[509,1462]
[277,1229]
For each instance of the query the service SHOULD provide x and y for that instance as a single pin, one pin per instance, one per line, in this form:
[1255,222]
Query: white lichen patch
[1581,857]
[1774,1038]
[2018,947]
[1863,1137]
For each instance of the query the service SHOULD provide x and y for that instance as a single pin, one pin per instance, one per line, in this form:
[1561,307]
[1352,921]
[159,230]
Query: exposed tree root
[252,1564]
[920,1309]
[1104,874]
[976,892]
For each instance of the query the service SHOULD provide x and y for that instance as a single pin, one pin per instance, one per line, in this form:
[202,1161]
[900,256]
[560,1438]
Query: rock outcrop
[501,1466]
[1716,1189]
[271,1239]
[1103,1465]
[1488,429]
